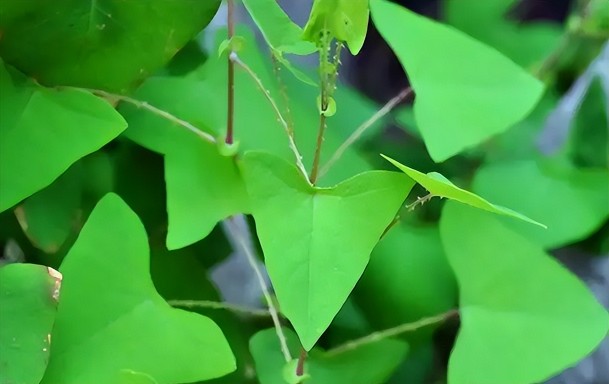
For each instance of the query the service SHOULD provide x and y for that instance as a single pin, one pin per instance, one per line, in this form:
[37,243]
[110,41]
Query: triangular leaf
[368,364]
[524,317]
[572,202]
[466,91]
[111,318]
[317,241]
[278,30]
[440,186]
[43,131]
[28,303]
[107,44]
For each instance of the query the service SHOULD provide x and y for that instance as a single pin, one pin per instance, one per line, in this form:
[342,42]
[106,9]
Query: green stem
[208,304]
[230,118]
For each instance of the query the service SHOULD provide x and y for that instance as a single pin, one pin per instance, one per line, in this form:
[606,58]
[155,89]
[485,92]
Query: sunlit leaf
[43,131]
[111,318]
[317,241]
[524,317]
[466,92]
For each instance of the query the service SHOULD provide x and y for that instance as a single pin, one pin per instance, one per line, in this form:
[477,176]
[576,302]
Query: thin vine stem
[359,131]
[236,233]
[209,304]
[292,143]
[391,332]
[150,108]
[284,94]
[230,119]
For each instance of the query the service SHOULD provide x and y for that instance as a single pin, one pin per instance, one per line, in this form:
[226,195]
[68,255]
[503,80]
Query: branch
[359,131]
[391,332]
[208,304]
[232,227]
[235,58]
[157,111]
[230,119]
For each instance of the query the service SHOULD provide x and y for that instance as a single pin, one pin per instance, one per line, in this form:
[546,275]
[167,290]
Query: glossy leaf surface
[317,241]
[479,92]
[125,326]
[524,317]
[43,131]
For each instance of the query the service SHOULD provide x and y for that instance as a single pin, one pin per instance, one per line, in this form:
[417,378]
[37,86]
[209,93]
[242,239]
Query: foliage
[116,168]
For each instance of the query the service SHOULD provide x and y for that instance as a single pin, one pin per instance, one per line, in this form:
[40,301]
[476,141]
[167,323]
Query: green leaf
[480,94]
[111,318]
[28,304]
[106,44]
[572,202]
[317,241]
[43,131]
[440,186]
[345,20]
[368,364]
[49,216]
[408,278]
[279,31]
[203,186]
[524,317]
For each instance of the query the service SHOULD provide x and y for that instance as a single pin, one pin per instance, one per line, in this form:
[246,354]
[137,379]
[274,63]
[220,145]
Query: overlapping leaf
[368,364]
[28,304]
[43,131]
[111,320]
[440,186]
[466,91]
[317,241]
[107,44]
[571,202]
[524,317]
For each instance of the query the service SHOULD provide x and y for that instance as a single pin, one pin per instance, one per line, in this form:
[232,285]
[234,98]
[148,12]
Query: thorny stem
[391,332]
[235,58]
[265,289]
[144,105]
[301,362]
[318,144]
[284,94]
[219,305]
[359,131]
[420,201]
[230,120]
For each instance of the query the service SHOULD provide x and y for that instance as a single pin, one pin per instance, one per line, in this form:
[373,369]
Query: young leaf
[572,202]
[524,317]
[43,131]
[111,318]
[466,91]
[28,303]
[440,186]
[203,187]
[317,241]
[280,33]
[106,44]
[345,20]
[368,364]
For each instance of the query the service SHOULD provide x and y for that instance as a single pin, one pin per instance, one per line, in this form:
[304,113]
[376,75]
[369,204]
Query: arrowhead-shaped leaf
[368,364]
[28,303]
[107,44]
[112,321]
[524,317]
[317,241]
[43,131]
[440,186]
[572,202]
[466,91]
